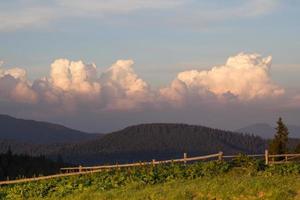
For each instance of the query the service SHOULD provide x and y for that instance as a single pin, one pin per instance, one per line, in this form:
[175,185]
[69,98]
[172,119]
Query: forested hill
[38,132]
[134,143]
[160,141]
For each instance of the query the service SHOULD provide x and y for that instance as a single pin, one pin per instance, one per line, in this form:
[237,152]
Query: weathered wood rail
[80,170]
[71,171]
[283,158]
[8,182]
[185,159]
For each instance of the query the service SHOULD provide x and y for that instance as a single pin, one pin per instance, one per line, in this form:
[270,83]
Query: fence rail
[280,158]
[252,156]
[80,170]
[185,159]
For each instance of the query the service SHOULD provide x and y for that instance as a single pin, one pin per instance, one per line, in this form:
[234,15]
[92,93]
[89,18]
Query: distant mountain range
[31,131]
[266,131]
[134,143]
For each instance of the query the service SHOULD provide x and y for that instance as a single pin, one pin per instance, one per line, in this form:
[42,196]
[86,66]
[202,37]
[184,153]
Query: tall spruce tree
[297,149]
[279,144]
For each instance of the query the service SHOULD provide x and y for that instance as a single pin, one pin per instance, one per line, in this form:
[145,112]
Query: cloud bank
[241,91]
[74,85]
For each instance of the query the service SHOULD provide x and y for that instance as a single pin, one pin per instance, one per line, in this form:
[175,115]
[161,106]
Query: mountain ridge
[267,131]
[134,143]
[39,132]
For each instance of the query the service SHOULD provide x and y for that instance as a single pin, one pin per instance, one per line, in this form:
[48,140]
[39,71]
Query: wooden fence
[184,160]
[280,158]
[71,171]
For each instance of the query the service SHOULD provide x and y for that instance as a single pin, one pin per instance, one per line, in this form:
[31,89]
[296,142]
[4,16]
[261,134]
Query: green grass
[242,178]
[229,186]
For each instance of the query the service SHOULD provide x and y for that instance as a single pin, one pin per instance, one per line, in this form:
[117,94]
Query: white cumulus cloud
[75,85]
[74,76]
[244,76]
[14,86]
[123,88]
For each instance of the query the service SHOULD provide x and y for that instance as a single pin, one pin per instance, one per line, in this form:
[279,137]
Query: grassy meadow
[229,186]
[242,178]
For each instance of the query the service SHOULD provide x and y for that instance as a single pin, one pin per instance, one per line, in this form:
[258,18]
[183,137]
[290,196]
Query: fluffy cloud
[14,86]
[123,88]
[74,85]
[244,77]
[75,77]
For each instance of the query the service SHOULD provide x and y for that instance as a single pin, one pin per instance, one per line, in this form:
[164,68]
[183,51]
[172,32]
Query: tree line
[14,166]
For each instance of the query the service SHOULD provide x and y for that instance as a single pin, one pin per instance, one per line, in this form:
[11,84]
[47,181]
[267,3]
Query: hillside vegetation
[17,166]
[160,141]
[229,186]
[242,178]
[136,143]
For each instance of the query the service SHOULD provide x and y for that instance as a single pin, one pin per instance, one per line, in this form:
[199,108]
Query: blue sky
[163,37]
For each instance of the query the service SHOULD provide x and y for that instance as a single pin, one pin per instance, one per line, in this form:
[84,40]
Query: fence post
[220,156]
[184,157]
[80,168]
[153,162]
[266,157]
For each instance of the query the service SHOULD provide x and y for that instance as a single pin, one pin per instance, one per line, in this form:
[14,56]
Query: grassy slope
[243,178]
[229,186]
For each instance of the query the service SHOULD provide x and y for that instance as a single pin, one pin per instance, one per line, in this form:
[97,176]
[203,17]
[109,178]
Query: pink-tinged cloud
[74,77]
[244,77]
[123,88]
[74,85]
[14,86]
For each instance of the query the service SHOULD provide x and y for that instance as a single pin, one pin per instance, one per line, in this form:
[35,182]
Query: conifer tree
[297,149]
[279,144]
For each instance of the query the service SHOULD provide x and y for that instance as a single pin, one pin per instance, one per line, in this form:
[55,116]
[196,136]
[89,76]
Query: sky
[100,65]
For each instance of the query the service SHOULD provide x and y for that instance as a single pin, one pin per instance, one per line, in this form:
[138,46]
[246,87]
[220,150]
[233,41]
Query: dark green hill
[38,132]
[160,141]
[135,143]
